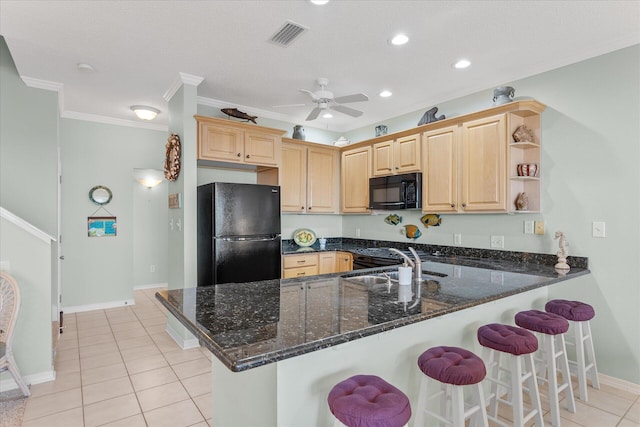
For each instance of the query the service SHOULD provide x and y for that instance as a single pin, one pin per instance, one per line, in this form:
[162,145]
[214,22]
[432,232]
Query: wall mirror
[100,195]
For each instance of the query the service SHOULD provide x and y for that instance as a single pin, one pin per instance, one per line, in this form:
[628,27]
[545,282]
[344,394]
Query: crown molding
[112,121]
[182,79]
[216,103]
[42,84]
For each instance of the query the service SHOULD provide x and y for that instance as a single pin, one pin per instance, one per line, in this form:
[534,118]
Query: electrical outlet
[357,232]
[538,227]
[598,229]
[497,242]
[457,239]
[528,227]
[5,266]
[152,268]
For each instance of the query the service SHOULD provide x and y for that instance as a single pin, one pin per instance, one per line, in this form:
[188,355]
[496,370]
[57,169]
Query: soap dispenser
[405,273]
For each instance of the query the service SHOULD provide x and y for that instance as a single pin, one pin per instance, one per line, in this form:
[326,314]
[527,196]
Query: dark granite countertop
[248,325]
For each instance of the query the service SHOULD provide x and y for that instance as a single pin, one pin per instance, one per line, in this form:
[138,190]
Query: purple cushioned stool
[518,345]
[452,369]
[551,328]
[368,401]
[579,314]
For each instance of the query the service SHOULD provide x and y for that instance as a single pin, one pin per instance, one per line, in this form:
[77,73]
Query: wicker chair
[9,307]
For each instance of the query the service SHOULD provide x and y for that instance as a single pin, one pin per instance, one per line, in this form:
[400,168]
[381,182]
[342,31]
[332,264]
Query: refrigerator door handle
[253,239]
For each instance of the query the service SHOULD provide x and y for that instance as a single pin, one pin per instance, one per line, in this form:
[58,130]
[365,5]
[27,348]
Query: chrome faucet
[417,271]
[409,260]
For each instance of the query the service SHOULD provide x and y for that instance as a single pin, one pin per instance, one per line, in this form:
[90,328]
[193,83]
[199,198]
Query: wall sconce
[145,113]
[148,177]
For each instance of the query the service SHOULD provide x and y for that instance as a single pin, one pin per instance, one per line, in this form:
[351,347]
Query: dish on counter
[304,237]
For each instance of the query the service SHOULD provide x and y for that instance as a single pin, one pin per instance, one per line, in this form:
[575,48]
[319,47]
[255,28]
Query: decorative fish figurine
[393,219]
[433,220]
[234,112]
[411,231]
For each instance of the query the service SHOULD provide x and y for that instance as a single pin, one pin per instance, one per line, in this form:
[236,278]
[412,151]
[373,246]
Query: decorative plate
[172,158]
[304,237]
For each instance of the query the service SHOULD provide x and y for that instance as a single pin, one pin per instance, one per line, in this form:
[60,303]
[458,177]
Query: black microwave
[396,192]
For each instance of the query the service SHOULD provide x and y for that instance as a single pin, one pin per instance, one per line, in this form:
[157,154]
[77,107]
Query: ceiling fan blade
[314,114]
[288,105]
[346,110]
[356,97]
[311,94]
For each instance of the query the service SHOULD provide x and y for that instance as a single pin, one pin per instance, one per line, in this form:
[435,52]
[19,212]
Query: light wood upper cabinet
[401,155]
[465,167]
[484,165]
[356,167]
[309,178]
[233,142]
[440,176]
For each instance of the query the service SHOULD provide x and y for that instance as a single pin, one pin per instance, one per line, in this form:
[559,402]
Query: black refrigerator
[238,233]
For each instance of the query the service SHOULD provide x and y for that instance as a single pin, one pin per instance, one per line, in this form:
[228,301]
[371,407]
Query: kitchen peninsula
[280,345]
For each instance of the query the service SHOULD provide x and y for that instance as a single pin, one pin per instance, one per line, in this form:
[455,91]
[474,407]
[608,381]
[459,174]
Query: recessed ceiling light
[463,63]
[399,39]
[385,94]
[145,113]
[85,68]
[319,2]
[327,115]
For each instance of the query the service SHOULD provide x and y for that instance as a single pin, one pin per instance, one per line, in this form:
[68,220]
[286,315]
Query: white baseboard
[620,384]
[98,306]
[151,285]
[38,378]
[184,344]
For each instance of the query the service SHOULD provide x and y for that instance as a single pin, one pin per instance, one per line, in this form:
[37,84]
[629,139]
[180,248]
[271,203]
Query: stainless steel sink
[368,279]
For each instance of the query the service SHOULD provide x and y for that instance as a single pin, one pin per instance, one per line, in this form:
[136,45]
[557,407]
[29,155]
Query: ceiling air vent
[287,33]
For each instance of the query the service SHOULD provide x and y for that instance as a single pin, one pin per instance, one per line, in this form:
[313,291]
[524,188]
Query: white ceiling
[138,49]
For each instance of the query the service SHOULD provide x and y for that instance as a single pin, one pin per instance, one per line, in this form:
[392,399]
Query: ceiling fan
[324,100]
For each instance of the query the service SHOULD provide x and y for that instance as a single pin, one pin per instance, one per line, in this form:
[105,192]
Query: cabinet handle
[397,168]
[302,207]
[239,155]
[248,156]
[301,274]
[302,261]
[453,205]
[388,168]
[464,205]
[310,207]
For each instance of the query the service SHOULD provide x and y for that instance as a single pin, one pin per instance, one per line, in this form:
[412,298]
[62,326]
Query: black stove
[379,257]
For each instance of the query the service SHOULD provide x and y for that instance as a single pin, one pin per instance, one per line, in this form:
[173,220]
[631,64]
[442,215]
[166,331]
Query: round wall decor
[100,195]
[172,158]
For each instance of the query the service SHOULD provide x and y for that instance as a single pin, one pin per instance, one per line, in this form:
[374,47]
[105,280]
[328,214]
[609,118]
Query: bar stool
[519,344]
[368,401]
[452,368]
[579,314]
[552,328]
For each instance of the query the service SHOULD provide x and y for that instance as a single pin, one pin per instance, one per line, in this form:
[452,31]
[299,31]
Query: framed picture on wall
[101,226]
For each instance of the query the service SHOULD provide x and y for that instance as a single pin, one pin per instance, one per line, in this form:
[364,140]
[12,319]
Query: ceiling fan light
[145,113]
[399,39]
[319,2]
[385,94]
[463,63]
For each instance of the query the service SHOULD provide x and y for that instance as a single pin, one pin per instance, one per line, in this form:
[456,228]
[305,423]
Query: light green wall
[150,235]
[32,336]
[99,270]
[590,158]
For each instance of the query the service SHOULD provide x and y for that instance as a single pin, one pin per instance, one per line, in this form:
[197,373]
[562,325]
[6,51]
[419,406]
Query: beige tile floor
[118,367]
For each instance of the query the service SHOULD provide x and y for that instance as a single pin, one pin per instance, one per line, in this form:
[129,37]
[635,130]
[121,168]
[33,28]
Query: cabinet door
[356,166]
[440,171]
[406,155]
[484,164]
[322,307]
[261,148]
[354,307]
[322,172]
[344,261]
[223,143]
[326,262]
[382,164]
[293,179]
[292,314]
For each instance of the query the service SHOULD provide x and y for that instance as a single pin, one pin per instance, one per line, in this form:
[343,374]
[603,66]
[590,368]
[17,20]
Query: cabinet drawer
[293,261]
[310,270]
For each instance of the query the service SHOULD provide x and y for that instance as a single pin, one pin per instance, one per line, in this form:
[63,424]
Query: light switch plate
[497,242]
[538,227]
[457,239]
[598,229]
[528,227]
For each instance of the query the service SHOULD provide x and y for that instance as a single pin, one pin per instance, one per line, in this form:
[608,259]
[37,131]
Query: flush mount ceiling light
[148,177]
[319,2]
[327,115]
[145,113]
[399,39]
[85,68]
[463,63]
[385,94]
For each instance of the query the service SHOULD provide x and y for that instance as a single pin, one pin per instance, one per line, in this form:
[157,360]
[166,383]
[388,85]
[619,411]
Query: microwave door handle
[403,193]
[391,203]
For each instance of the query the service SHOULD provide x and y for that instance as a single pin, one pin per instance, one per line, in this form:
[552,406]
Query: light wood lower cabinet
[354,306]
[302,265]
